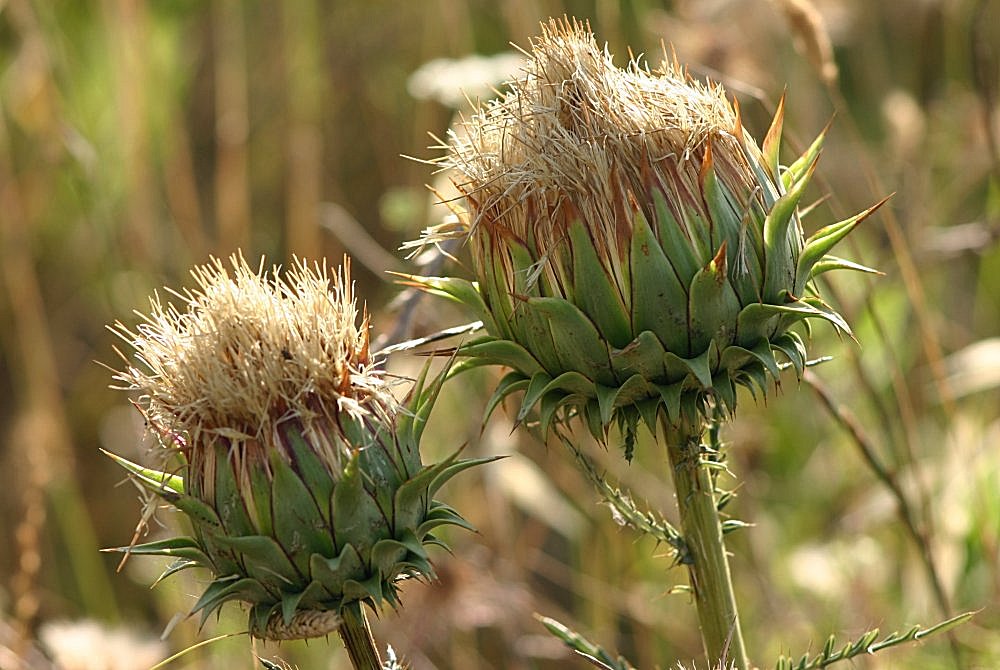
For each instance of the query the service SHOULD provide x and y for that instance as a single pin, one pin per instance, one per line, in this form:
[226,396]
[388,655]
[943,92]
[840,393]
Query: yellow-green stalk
[637,255]
[299,472]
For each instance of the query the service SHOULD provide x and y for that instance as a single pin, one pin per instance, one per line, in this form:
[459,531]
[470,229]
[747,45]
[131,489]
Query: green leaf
[682,257]
[671,397]
[713,308]
[867,644]
[455,289]
[386,556]
[450,467]
[572,383]
[755,322]
[264,560]
[333,572]
[649,410]
[439,514]
[290,603]
[229,503]
[502,352]
[259,500]
[722,386]
[726,215]
[495,291]
[177,566]
[550,404]
[782,241]
[644,355]
[698,367]
[760,352]
[594,653]
[827,313]
[222,591]
[595,289]
[592,414]
[536,387]
[533,332]
[634,389]
[790,344]
[200,513]
[299,526]
[368,589]
[606,402]
[577,344]
[357,519]
[523,270]
[512,382]
[659,300]
[313,474]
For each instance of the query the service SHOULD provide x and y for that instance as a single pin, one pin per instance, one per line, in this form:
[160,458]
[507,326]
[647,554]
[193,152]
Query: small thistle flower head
[298,470]
[634,248]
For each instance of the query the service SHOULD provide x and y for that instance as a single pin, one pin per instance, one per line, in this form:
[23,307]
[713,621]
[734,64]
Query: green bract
[634,248]
[299,473]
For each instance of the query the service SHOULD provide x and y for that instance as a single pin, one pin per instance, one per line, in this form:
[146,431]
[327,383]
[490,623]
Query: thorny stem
[357,638]
[706,559]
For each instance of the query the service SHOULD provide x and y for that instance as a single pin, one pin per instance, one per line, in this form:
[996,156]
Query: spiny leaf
[624,509]
[804,162]
[772,141]
[866,644]
[780,257]
[581,645]
[180,547]
[823,240]
[512,382]
[458,290]
[156,481]
[828,263]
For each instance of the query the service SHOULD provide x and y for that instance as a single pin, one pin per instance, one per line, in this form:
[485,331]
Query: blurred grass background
[138,138]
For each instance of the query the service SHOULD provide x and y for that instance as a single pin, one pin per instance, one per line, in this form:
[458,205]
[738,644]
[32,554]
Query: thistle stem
[706,559]
[357,638]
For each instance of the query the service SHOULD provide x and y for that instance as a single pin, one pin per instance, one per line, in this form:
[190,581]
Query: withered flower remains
[299,472]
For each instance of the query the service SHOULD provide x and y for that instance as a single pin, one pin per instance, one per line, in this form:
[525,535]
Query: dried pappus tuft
[248,349]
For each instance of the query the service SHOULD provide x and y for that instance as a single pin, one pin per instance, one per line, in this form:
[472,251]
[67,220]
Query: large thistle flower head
[634,248]
[299,472]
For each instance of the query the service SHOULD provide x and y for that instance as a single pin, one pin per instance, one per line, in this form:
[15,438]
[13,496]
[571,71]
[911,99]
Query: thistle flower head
[300,473]
[634,248]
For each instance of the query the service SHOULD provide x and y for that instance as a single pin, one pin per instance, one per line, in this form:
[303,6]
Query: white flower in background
[451,80]
[89,645]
